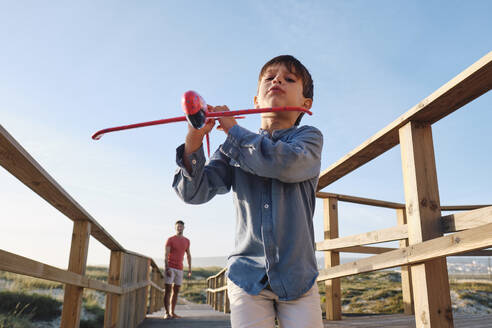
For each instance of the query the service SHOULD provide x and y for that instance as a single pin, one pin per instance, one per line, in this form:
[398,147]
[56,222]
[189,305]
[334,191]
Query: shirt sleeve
[204,181]
[296,159]
[168,242]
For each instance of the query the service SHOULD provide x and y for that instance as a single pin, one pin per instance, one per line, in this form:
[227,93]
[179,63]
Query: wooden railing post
[208,293]
[222,293]
[215,299]
[153,293]
[113,313]
[72,300]
[430,279]
[332,286]
[406,275]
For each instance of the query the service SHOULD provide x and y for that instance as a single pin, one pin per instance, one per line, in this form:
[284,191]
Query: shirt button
[193,162]
[266,206]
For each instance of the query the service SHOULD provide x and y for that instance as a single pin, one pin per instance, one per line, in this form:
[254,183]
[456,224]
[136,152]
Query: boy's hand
[226,122]
[194,140]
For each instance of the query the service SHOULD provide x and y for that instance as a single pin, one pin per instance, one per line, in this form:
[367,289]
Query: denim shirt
[273,179]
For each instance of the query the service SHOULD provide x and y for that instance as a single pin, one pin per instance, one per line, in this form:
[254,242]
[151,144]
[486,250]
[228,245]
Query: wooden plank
[449,245]
[462,207]
[466,220]
[14,263]
[15,159]
[112,314]
[372,237]
[462,89]
[423,214]
[483,252]
[360,200]
[333,290]
[217,290]
[365,249]
[72,299]
[406,275]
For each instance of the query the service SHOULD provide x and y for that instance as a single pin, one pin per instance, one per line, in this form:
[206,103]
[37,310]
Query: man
[176,246]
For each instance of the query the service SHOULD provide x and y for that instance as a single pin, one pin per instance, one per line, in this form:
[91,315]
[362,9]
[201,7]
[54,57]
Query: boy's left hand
[226,122]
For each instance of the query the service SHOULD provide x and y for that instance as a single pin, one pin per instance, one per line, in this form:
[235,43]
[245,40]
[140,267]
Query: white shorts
[175,277]
[259,311]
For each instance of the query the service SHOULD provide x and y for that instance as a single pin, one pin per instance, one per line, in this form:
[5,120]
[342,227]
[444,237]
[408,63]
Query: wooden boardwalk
[202,316]
[407,321]
[193,316]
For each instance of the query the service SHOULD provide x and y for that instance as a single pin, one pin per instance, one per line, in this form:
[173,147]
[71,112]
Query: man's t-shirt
[178,245]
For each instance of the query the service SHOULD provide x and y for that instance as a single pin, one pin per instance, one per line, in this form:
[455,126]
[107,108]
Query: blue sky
[68,69]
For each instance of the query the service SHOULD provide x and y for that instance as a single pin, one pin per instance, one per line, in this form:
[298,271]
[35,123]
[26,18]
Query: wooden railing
[420,226]
[135,283]
[217,292]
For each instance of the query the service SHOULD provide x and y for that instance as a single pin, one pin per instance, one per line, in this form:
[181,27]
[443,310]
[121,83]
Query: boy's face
[279,87]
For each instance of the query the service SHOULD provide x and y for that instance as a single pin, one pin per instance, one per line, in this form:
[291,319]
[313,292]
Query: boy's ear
[255,101]
[308,103]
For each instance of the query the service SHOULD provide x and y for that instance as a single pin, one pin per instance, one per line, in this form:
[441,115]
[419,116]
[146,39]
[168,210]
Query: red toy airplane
[196,114]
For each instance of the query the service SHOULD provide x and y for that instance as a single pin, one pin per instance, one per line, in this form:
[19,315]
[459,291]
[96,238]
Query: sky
[69,69]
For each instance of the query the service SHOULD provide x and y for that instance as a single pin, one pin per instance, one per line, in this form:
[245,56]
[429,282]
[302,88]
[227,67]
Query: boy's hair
[298,69]
[179,222]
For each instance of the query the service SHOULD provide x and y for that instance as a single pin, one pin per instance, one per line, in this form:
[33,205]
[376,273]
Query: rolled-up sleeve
[204,181]
[295,159]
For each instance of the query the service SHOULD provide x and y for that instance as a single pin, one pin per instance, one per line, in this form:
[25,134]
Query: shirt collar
[277,134]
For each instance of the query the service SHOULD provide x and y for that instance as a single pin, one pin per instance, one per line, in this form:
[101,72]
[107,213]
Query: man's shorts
[175,277]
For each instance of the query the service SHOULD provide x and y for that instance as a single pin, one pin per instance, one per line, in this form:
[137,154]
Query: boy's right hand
[194,140]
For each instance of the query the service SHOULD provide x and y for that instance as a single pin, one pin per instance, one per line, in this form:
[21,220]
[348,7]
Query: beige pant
[259,311]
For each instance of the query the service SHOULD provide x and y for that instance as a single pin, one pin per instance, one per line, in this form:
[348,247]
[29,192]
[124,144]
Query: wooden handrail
[459,242]
[373,237]
[386,204]
[15,159]
[131,275]
[218,274]
[466,86]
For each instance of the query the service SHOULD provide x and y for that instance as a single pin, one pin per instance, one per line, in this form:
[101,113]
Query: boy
[273,174]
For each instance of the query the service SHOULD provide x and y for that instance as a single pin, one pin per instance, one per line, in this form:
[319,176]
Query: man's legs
[302,312]
[167,296]
[178,280]
[174,300]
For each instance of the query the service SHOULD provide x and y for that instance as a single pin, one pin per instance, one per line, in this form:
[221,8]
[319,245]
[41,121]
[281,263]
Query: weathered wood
[360,200]
[365,249]
[373,237]
[453,244]
[406,275]
[18,264]
[403,321]
[72,299]
[333,291]
[112,314]
[387,204]
[423,220]
[462,89]
[483,252]
[217,290]
[462,207]
[153,294]
[466,220]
